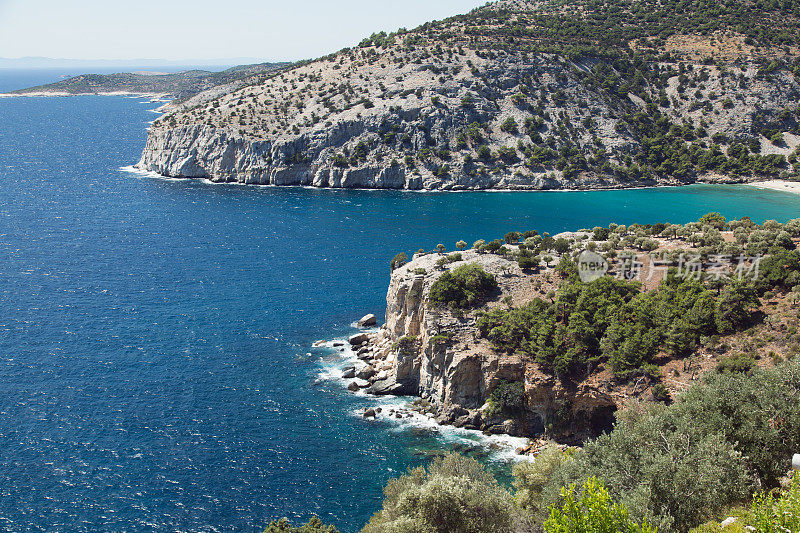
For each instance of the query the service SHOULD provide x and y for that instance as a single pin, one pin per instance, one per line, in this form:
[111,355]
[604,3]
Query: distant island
[515,95]
[179,86]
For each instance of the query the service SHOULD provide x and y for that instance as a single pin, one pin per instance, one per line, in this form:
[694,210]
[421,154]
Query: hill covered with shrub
[516,94]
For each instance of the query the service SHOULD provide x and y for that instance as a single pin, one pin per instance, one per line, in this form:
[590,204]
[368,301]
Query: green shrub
[314,525]
[662,467]
[682,465]
[781,514]
[507,398]
[464,287]
[453,495]
[736,363]
[510,126]
[592,511]
[531,477]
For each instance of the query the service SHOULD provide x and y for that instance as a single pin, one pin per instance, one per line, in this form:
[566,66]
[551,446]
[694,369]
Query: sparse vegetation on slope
[518,95]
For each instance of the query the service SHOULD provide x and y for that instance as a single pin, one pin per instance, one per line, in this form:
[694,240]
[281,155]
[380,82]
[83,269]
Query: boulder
[385,387]
[353,386]
[367,321]
[369,413]
[729,521]
[336,344]
[358,338]
[366,372]
[349,372]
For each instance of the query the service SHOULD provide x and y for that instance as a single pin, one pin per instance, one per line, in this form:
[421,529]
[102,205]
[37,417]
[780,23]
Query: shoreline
[792,187]
[133,169]
[396,413]
[167,97]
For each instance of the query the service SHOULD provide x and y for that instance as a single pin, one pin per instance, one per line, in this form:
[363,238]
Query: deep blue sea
[155,364]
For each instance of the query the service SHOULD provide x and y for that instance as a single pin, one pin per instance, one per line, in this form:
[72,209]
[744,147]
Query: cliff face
[428,351]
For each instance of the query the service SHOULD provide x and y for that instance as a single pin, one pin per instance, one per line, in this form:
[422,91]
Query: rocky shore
[437,356]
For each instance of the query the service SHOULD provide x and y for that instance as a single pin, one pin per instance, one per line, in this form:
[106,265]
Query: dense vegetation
[464,287]
[611,321]
[610,25]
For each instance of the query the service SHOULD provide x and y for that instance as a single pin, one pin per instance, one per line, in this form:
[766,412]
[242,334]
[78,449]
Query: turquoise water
[155,335]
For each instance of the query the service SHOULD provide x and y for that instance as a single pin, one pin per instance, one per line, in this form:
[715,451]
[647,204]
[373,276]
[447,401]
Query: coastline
[397,413]
[60,94]
[778,185]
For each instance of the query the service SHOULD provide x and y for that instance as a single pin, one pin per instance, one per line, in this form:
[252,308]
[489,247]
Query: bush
[464,287]
[510,126]
[531,477]
[592,511]
[736,363]
[314,525]
[453,495]
[662,468]
[771,515]
[681,465]
[508,399]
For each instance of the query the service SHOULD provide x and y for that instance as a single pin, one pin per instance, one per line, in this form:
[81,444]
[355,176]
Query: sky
[204,29]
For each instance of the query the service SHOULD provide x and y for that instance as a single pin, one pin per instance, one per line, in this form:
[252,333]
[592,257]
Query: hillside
[179,85]
[528,95]
[506,337]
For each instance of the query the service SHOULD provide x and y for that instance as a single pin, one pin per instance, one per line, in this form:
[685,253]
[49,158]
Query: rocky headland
[501,98]
[451,361]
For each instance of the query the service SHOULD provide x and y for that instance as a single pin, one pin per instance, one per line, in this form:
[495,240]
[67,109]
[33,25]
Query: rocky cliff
[429,351]
[463,104]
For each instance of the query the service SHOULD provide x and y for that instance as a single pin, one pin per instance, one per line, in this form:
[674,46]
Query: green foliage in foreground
[314,525]
[591,511]
[453,495]
[464,287]
[768,513]
[776,515]
[682,465]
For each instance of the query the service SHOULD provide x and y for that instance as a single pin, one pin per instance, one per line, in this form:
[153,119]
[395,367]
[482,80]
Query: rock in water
[358,338]
[366,372]
[369,413]
[349,372]
[353,387]
[367,321]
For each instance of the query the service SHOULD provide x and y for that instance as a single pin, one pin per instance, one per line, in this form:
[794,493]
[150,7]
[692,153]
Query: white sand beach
[778,185]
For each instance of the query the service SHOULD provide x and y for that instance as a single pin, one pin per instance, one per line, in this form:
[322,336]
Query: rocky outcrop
[428,351]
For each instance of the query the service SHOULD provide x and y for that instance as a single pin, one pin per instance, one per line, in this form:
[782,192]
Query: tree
[528,262]
[512,237]
[484,152]
[453,495]
[398,261]
[440,248]
[461,245]
[510,126]
[714,219]
[593,511]
[530,477]
[735,305]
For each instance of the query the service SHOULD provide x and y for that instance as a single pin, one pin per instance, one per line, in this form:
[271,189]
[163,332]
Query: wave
[397,414]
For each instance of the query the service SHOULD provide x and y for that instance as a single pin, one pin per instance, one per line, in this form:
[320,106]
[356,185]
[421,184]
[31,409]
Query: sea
[156,363]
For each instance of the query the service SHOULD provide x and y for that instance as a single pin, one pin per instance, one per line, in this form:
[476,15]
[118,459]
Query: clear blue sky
[204,29]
